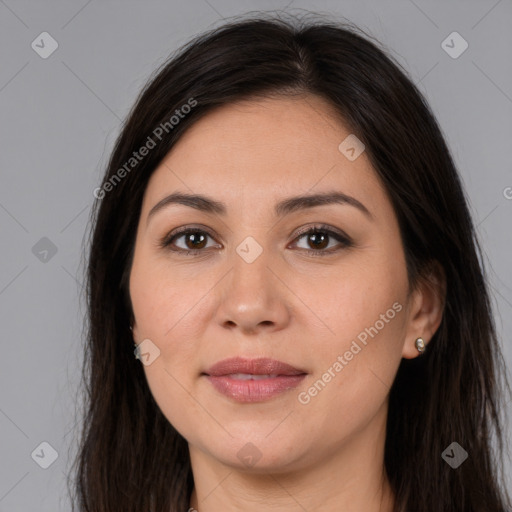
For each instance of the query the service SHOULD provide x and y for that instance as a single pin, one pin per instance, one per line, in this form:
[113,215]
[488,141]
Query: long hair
[130,457]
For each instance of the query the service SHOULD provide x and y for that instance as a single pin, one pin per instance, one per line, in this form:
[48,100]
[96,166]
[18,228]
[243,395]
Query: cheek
[167,299]
[166,311]
[170,387]
[351,297]
[354,370]
[166,308]
[363,305]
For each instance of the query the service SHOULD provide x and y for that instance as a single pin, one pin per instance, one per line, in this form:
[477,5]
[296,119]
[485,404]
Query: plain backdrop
[61,114]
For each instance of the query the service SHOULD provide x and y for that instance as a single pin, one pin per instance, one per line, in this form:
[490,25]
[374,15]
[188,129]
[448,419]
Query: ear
[426,308]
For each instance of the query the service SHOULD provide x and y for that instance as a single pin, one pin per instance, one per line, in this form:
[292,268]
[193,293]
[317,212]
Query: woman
[286,305]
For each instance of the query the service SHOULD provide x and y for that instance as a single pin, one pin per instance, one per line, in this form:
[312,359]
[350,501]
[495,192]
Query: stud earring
[420,345]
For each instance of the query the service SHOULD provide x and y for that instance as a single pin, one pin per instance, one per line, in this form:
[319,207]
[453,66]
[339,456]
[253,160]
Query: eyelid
[324,228]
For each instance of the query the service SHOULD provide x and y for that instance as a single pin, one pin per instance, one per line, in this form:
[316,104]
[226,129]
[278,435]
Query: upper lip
[260,366]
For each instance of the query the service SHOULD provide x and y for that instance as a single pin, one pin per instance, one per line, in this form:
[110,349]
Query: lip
[260,366]
[282,377]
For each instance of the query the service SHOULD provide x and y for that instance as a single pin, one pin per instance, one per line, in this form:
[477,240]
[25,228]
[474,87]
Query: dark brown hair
[130,458]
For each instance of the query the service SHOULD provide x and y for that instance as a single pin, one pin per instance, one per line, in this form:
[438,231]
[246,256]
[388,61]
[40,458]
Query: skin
[288,305]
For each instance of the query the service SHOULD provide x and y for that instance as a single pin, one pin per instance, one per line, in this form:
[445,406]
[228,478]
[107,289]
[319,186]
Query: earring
[135,346]
[420,345]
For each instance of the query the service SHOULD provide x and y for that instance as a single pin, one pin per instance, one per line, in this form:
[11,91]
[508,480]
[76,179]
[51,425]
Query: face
[250,282]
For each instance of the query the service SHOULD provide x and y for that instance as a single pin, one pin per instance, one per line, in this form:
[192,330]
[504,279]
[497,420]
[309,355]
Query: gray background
[60,117]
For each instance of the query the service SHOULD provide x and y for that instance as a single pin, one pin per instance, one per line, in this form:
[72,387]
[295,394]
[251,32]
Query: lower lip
[254,390]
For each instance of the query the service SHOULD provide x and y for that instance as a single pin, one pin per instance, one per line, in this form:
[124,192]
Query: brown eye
[319,238]
[319,241]
[193,240]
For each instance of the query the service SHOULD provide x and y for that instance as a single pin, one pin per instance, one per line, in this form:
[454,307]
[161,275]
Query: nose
[253,297]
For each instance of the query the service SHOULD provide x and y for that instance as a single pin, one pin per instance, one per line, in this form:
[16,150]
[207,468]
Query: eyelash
[345,241]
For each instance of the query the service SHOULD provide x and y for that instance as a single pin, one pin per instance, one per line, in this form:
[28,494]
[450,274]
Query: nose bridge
[250,277]
[251,296]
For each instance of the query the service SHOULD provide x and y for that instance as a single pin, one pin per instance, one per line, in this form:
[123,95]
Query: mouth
[262,366]
[249,376]
[253,380]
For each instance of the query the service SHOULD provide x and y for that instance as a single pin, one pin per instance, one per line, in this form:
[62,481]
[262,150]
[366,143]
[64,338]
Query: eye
[319,237]
[194,240]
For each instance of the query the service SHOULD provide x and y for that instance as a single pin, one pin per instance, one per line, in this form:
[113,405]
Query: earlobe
[427,311]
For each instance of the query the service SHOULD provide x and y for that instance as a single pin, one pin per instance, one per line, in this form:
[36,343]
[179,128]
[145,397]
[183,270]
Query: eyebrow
[284,207]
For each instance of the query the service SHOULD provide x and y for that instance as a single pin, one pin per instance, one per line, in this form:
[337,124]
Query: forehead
[256,150]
